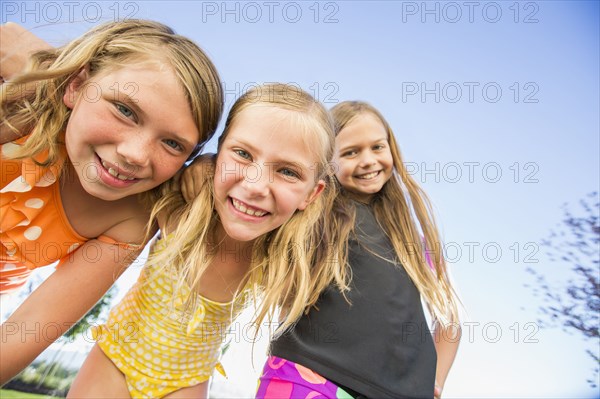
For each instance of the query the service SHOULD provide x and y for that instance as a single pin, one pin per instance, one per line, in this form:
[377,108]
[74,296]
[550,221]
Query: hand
[437,391]
[16,45]
[195,175]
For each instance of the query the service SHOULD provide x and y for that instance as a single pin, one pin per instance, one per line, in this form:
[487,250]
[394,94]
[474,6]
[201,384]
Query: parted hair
[285,261]
[404,211]
[41,113]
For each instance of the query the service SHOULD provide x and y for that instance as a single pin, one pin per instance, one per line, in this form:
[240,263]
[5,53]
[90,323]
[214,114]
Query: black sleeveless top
[380,346]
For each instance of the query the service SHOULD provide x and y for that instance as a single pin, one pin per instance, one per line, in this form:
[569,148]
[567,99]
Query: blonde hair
[42,113]
[393,206]
[283,262]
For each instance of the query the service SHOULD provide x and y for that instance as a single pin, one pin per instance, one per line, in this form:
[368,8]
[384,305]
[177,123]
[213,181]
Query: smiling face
[363,157]
[130,129]
[265,172]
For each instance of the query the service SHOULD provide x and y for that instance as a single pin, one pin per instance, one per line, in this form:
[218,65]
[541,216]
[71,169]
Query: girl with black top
[372,340]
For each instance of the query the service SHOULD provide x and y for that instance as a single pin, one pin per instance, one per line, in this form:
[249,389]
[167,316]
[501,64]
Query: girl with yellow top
[255,229]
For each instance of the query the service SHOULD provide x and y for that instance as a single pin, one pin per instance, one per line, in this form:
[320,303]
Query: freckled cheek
[87,114]
[164,167]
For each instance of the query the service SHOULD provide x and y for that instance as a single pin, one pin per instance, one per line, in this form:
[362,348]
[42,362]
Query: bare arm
[7,135]
[16,45]
[59,303]
[446,341]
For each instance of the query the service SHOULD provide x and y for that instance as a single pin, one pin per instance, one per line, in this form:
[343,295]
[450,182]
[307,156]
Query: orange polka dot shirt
[34,229]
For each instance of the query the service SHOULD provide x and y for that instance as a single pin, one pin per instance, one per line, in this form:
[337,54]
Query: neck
[228,247]
[362,198]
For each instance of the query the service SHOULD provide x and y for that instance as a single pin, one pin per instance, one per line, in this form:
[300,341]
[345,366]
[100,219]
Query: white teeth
[368,175]
[114,173]
[242,208]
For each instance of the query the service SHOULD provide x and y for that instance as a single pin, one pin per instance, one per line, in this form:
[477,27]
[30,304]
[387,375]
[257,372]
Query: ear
[75,84]
[314,194]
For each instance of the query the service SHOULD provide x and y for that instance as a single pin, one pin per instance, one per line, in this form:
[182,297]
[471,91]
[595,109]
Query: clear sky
[495,106]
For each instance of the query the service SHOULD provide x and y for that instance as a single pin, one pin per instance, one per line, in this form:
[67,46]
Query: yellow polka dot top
[156,341]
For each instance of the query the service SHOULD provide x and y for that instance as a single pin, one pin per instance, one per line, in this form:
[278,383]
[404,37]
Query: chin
[105,196]
[236,235]
[243,238]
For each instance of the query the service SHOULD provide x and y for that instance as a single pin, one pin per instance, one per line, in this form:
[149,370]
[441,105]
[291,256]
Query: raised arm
[16,45]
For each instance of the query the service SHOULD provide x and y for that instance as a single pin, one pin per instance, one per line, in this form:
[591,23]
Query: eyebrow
[133,103]
[349,147]
[278,162]
[353,146]
[122,96]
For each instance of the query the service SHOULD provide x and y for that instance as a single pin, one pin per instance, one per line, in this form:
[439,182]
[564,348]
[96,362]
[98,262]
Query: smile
[247,209]
[368,176]
[114,173]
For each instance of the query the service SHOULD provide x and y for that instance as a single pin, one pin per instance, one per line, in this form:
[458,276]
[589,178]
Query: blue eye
[289,173]
[124,110]
[173,144]
[243,154]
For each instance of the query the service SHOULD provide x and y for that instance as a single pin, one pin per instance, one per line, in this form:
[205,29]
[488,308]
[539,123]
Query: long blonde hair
[43,115]
[283,261]
[412,239]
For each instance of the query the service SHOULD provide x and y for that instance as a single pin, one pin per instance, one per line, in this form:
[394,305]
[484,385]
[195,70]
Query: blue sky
[495,106]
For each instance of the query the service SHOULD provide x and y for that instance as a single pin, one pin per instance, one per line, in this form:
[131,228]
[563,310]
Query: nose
[367,160]
[134,151]
[255,180]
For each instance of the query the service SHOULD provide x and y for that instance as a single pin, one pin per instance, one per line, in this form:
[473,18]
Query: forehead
[364,128]
[147,84]
[277,133]
[132,65]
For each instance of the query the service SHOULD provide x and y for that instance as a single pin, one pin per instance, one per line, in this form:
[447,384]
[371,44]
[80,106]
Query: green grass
[8,394]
